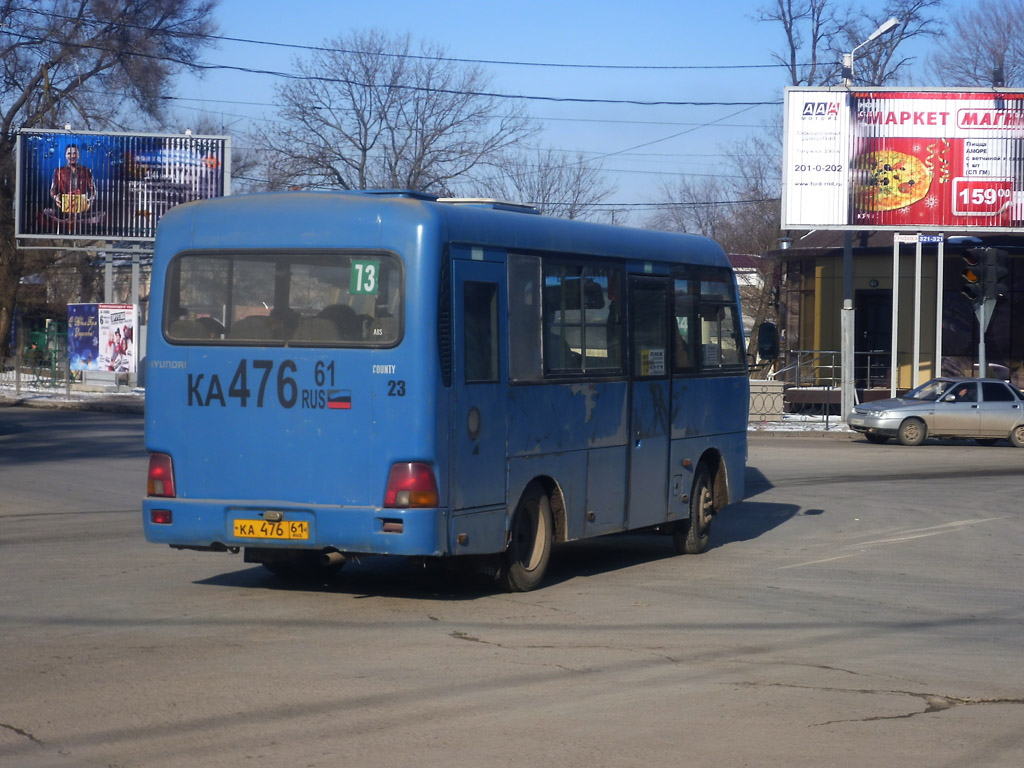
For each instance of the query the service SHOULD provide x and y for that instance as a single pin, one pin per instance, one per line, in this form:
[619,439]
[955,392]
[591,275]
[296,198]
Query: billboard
[903,160]
[112,186]
[101,337]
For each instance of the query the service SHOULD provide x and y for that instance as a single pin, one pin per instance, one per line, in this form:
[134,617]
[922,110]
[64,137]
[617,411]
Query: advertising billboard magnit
[902,160]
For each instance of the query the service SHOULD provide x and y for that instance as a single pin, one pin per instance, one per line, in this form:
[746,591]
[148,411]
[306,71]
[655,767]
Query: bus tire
[530,539]
[691,536]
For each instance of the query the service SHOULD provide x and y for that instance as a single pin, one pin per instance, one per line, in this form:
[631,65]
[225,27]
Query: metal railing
[40,363]
[823,368]
[812,380]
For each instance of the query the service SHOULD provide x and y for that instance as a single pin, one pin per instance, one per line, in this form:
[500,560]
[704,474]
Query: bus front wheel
[691,536]
[530,539]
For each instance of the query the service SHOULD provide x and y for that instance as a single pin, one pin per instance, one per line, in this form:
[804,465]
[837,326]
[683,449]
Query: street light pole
[891,24]
[846,315]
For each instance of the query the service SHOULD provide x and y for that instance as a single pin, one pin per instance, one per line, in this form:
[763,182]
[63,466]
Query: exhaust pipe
[332,558]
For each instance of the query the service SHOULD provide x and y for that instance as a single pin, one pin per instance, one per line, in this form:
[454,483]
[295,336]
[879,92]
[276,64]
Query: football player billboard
[903,160]
[112,186]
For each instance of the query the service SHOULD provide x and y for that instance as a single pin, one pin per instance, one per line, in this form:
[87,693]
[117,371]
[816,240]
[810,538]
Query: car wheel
[876,439]
[912,432]
[1017,436]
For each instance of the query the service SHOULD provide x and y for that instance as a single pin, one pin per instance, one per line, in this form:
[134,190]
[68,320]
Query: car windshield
[931,390]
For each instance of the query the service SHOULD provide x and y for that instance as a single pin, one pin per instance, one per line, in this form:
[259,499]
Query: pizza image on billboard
[890,180]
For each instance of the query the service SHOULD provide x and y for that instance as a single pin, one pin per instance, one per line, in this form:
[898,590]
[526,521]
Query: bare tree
[695,205]
[810,28]
[881,62]
[555,185]
[739,209]
[69,61]
[367,112]
[819,32]
[754,186]
[979,38]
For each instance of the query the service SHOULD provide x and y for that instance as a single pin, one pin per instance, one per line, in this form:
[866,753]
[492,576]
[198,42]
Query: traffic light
[995,270]
[974,285]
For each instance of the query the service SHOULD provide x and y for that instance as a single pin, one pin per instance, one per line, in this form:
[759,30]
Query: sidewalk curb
[107,404]
[834,434]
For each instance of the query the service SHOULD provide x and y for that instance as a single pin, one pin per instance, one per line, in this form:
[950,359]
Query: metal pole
[939,276]
[916,373]
[846,322]
[893,370]
[108,278]
[982,325]
[18,356]
[133,377]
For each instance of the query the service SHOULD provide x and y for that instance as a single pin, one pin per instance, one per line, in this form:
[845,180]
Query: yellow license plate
[262,529]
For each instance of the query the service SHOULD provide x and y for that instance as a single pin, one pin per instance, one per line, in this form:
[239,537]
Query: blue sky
[645,32]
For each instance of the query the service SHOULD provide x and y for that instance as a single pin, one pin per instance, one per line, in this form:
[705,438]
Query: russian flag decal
[339,399]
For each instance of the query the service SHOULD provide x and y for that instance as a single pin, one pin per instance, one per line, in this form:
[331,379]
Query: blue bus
[341,373]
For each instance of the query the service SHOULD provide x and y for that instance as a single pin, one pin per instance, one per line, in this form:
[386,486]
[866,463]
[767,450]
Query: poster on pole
[898,159]
[102,337]
[113,186]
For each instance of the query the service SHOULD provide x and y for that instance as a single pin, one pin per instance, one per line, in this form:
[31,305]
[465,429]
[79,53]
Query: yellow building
[812,297]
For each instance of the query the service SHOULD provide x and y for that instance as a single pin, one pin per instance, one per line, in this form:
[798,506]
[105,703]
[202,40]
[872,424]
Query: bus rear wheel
[530,540]
[691,536]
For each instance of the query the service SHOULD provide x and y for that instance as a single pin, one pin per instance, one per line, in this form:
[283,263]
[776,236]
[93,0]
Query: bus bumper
[225,524]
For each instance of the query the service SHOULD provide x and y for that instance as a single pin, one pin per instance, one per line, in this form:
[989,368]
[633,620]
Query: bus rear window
[285,298]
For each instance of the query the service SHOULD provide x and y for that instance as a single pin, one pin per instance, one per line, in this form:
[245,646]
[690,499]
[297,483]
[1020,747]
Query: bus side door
[480,434]
[650,401]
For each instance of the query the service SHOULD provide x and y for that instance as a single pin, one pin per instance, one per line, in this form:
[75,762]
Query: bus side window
[563,319]
[720,330]
[604,320]
[480,331]
[524,336]
[683,360]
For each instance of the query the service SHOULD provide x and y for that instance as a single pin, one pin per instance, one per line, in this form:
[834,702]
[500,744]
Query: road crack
[21,732]
[933,702]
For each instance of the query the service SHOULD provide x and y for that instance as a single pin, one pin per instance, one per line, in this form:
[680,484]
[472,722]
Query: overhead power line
[424,57]
[416,88]
[542,118]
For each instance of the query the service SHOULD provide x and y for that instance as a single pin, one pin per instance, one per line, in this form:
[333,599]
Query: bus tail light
[161,516]
[411,484]
[161,476]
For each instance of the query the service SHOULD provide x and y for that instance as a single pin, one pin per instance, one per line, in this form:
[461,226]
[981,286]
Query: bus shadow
[756,482]
[372,576]
[458,580]
[750,520]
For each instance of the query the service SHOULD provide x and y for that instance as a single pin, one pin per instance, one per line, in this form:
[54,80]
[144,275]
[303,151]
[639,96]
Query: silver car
[984,409]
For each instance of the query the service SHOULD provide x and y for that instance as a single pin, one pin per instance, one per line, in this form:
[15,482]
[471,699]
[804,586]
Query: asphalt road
[863,607]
